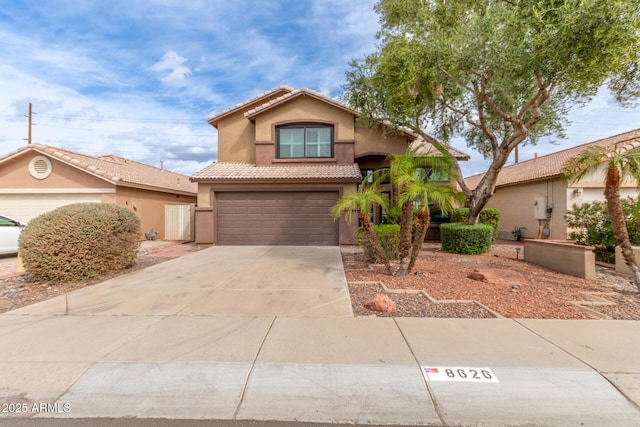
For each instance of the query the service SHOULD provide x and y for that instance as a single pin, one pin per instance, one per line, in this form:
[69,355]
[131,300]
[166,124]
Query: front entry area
[300,218]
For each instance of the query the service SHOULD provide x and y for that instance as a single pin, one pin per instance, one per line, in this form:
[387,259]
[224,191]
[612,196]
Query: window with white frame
[305,141]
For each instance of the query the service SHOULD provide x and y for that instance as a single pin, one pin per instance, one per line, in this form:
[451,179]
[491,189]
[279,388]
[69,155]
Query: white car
[9,232]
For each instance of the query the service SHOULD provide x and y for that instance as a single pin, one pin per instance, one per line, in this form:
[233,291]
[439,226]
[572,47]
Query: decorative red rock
[497,276]
[381,303]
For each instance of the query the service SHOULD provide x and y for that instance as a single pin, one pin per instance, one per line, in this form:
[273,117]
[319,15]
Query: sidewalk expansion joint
[630,400]
[253,364]
[424,380]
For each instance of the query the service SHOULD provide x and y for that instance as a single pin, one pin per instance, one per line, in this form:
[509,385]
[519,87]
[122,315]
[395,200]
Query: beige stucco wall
[14,173]
[149,206]
[236,139]
[515,202]
[300,110]
[374,141]
[516,206]
[237,134]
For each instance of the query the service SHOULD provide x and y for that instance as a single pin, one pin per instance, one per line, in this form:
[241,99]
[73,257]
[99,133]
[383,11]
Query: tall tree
[619,164]
[368,195]
[496,72]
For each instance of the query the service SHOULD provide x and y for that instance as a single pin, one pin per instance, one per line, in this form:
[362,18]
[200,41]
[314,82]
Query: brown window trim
[305,125]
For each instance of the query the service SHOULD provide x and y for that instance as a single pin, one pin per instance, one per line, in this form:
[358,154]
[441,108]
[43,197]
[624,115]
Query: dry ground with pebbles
[440,282]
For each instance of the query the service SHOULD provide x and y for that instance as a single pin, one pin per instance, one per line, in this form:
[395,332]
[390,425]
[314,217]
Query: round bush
[80,242]
[489,216]
[463,238]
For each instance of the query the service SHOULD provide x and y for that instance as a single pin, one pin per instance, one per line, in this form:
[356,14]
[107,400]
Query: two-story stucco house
[284,158]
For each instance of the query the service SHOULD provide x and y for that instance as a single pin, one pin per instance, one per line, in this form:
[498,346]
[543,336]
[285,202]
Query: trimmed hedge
[389,236]
[461,238]
[80,242]
[488,216]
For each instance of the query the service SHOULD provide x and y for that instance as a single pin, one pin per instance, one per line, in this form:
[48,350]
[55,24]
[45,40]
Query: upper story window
[300,141]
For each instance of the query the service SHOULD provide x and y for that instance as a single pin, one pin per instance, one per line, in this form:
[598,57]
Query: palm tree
[427,194]
[620,164]
[406,170]
[368,195]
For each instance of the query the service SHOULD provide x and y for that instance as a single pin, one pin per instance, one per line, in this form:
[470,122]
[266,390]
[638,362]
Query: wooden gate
[178,222]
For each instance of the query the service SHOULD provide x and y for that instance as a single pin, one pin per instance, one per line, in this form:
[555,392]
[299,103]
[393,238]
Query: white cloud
[172,62]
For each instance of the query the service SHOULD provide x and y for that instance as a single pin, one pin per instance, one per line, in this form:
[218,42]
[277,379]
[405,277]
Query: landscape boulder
[497,276]
[380,303]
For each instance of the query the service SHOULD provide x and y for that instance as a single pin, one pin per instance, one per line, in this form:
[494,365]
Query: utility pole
[30,123]
[30,120]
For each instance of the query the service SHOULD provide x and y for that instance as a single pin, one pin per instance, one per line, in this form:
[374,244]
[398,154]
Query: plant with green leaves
[490,216]
[388,238]
[409,173]
[618,164]
[425,194]
[497,73]
[362,200]
[80,242]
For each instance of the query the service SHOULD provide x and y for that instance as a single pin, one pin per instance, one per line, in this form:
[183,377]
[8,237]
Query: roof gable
[293,95]
[279,91]
[114,169]
[551,165]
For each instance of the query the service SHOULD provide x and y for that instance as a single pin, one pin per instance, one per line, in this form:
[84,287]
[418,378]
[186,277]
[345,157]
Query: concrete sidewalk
[122,357]
[360,370]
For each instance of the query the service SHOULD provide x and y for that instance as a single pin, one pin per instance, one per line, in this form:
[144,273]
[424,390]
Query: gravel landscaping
[543,294]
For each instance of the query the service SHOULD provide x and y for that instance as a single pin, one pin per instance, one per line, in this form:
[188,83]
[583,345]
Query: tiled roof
[117,170]
[426,148]
[294,94]
[550,165]
[280,89]
[249,171]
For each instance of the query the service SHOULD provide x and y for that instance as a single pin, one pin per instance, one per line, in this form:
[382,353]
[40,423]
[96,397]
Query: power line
[122,119]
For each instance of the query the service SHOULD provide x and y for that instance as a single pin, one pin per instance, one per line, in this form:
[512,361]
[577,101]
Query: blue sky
[138,78]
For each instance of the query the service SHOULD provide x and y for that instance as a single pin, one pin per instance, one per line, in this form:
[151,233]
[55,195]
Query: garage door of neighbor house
[276,218]
[25,207]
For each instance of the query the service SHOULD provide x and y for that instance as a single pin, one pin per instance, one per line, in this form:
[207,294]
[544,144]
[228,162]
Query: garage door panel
[276,218]
[25,207]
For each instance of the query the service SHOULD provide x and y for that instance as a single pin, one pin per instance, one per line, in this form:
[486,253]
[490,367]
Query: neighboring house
[531,194]
[38,178]
[284,158]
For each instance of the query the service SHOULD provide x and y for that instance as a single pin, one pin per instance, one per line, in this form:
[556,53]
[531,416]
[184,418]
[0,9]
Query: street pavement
[265,336]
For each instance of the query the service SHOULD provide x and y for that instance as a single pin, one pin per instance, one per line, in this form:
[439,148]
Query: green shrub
[461,238]
[591,226]
[80,242]
[389,236]
[490,216]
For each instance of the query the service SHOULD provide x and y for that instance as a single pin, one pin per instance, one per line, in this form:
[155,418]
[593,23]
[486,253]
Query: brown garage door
[276,218]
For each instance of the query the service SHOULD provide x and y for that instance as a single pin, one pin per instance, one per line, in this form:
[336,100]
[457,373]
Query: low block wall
[563,256]
[621,265]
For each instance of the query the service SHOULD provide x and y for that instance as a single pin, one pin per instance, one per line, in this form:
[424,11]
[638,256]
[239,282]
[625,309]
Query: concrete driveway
[221,280]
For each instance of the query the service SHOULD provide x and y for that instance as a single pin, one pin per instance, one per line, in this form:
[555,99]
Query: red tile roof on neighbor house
[117,170]
[249,172]
[550,165]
